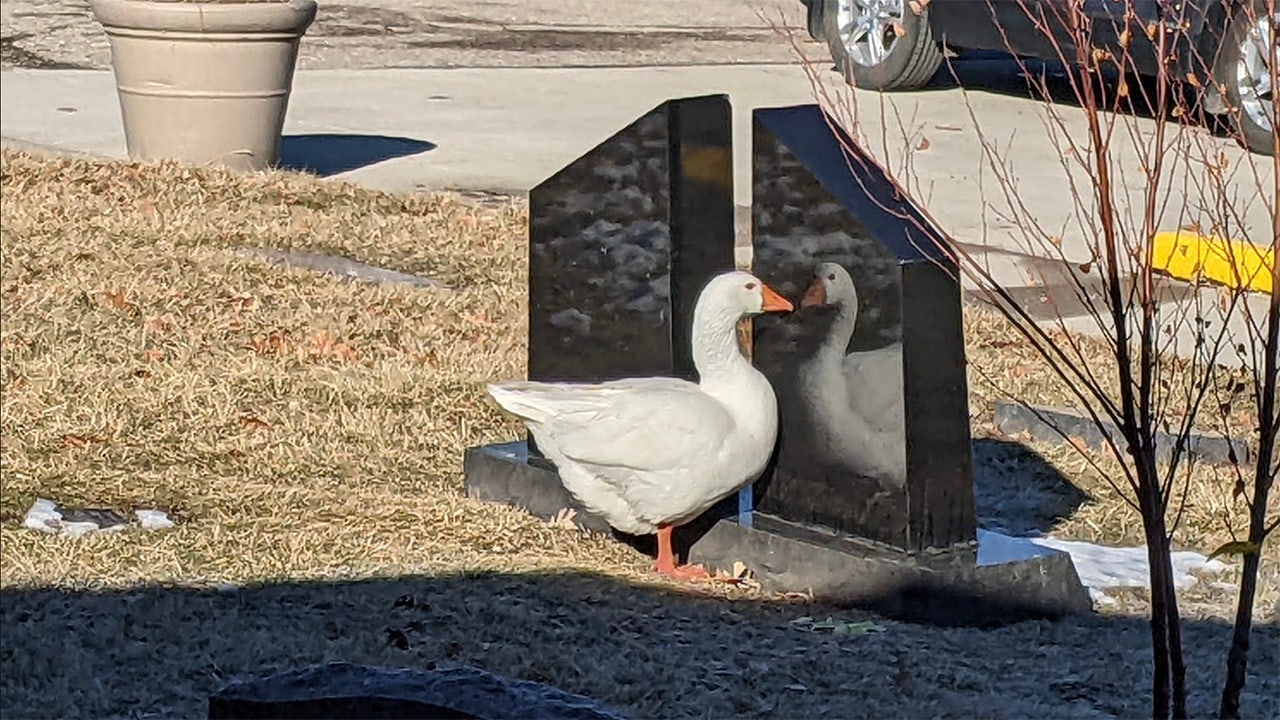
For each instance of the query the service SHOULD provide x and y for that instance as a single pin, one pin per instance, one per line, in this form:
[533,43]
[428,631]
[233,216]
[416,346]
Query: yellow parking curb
[1188,255]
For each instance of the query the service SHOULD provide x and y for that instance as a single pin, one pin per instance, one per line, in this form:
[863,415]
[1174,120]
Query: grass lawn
[307,434]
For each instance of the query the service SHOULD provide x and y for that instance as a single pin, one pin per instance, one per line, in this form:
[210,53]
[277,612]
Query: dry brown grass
[302,428]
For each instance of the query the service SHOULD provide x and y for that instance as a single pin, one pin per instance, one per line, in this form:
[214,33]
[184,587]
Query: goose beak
[773,302]
[816,295]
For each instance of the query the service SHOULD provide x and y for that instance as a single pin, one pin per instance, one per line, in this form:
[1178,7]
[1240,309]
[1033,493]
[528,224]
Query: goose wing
[644,424]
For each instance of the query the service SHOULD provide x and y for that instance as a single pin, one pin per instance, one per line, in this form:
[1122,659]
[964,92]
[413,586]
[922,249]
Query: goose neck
[715,344]
[837,340]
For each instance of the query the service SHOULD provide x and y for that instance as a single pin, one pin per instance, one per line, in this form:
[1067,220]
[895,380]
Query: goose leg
[667,559]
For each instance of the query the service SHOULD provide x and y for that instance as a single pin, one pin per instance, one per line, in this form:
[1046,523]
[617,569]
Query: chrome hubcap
[869,28]
[1253,73]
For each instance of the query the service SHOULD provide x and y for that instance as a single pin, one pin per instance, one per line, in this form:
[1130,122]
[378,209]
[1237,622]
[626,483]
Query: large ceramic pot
[204,83]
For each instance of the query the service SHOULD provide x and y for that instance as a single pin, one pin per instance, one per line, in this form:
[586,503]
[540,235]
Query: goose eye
[831,277]
[751,286]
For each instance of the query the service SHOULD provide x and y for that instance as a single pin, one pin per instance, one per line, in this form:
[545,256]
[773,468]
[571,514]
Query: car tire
[909,59]
[1248,110]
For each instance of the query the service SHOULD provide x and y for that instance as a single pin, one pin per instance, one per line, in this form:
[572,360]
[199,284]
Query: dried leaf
[344,352]
[1122,90]
[80,441]
[858,628]
[564,518]
[1193,80]
[924,144]
[273,343]
[899,30]
[323,347]
[1078,443]
[1224,298]
[253,424]
[739,575]
[159,323]
[153,354]
[117,300]
[480,318]
[1086,267]
[1019,370]
[1125,37]
[1055,241]
[837,626]
[1236,547]
[242,301]
[1238,491]
[1151,30]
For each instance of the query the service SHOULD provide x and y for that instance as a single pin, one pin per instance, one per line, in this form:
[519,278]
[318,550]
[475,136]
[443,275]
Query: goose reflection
[854,400]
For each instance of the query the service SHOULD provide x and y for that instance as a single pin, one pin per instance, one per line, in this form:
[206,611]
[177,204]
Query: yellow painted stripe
[1188,255]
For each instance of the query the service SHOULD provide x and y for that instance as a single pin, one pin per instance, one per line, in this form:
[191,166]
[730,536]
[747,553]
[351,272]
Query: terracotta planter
[204,83]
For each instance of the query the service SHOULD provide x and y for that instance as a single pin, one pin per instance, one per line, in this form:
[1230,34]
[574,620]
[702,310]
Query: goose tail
[520,399]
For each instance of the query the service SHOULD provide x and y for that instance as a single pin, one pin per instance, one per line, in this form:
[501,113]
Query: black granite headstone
[870,378]
[873,463]
[622,240]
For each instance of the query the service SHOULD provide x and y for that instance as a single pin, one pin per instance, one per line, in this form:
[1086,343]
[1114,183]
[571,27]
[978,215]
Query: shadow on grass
[647,651]
[331,154]
[1017,491]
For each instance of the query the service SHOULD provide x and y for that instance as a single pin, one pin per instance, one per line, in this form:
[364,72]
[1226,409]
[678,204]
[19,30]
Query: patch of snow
[1099,567]
[153,519]
[45,516]
[995,548]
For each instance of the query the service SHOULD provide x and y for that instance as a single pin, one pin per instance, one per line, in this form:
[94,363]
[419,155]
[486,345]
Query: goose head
[831,287]
[735,295]
[726,300]
[831,293]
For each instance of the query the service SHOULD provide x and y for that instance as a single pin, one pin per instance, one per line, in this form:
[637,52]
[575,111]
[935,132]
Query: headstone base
[965,586]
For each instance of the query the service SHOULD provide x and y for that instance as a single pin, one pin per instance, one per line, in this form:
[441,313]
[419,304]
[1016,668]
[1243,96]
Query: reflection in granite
[621,242]
[869,372]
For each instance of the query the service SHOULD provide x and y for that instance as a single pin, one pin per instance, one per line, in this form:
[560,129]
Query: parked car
[898,44]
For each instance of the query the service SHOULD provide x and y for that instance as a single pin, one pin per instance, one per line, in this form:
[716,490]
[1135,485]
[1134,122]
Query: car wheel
[1243,69]
[881,44]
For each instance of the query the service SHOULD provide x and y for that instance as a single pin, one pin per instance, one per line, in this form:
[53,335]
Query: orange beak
[816,295]
[773,302]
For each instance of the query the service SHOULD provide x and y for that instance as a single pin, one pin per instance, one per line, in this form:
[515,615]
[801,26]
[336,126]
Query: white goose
[855,398]
[649,454]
